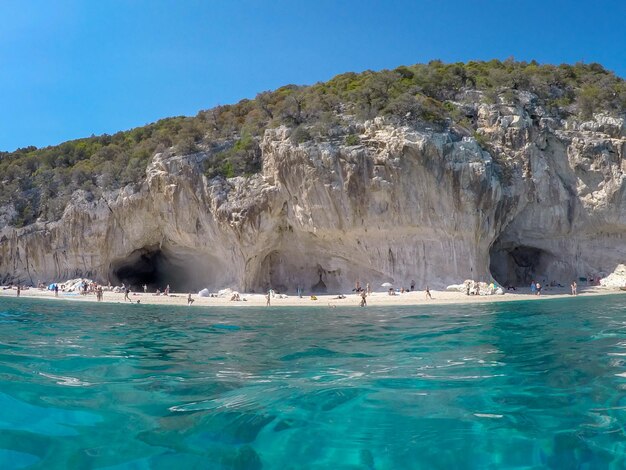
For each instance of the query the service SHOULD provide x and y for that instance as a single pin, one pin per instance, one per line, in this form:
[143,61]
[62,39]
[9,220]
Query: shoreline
[376,299]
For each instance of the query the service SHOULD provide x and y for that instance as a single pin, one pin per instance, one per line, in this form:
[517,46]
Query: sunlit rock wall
[539,198]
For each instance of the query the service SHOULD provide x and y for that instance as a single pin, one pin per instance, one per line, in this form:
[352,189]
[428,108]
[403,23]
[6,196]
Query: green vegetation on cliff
[37,183]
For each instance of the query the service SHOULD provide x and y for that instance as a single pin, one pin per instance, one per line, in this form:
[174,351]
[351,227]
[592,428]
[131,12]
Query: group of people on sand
[368,291]
[358,289]
[536,287]
[165,292]
[86,287]
[83,288]
[403,290]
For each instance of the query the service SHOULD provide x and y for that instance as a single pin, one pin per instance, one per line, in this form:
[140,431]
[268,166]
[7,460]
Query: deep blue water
[538,384]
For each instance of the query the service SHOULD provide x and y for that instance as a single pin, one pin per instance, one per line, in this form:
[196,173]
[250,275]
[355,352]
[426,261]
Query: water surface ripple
[511,385]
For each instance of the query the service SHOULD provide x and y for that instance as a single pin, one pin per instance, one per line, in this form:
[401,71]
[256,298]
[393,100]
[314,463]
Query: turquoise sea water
[538,384]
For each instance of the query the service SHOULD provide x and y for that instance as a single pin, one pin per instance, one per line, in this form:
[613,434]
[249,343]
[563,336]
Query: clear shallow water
[514,385]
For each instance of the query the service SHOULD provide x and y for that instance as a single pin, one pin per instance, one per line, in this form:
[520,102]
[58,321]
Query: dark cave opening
[143,266]
[518,265]
[182,269]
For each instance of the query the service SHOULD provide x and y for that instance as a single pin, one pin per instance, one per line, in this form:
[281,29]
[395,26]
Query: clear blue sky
[69,69]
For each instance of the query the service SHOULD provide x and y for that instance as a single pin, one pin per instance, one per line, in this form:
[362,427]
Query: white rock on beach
[72,285]
[228,292]
[616,279]
[456,288]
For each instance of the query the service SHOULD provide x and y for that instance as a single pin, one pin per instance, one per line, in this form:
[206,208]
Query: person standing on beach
[574,288]
[19,289]
[428,296]
[267,297]
[189,299]
[363,296]
[538,288]
[126,292]
[145,288]
[56,290]
[412,285]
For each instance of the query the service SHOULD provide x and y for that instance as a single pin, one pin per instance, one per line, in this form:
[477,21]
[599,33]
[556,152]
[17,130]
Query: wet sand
[376,299]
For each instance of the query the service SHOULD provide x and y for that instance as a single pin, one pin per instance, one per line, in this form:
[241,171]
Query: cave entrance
[185,270]
[143,266]
[518,265]
[290,271]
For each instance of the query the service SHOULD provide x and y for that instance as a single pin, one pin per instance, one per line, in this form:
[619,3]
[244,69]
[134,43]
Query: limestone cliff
[534,197]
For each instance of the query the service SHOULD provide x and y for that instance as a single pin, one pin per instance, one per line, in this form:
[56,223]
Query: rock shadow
[183,269]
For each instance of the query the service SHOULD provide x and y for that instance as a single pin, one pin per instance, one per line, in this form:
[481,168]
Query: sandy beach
[376,299]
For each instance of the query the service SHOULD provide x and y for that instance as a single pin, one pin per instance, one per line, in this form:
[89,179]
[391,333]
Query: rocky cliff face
[537,198]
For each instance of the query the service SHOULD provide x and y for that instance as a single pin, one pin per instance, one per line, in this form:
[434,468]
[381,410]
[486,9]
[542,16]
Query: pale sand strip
[376,299]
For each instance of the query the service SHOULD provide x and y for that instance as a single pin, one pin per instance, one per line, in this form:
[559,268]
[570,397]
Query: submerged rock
[247,459]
